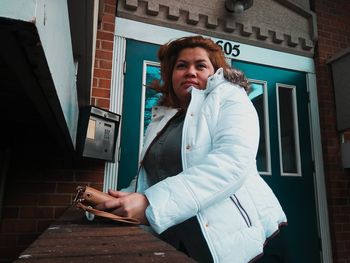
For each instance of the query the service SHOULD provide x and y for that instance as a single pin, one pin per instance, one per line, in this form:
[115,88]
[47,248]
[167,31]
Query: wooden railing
[74,239]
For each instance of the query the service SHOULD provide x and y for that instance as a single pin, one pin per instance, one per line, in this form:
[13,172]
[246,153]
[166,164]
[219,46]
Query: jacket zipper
[149,146]
[241,210]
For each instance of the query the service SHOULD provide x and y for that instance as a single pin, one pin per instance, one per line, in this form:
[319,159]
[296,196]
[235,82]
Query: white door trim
[116,105]
[320,187]
[140,31]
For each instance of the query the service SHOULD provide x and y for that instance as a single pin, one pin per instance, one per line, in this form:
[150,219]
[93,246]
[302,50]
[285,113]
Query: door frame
[130,29]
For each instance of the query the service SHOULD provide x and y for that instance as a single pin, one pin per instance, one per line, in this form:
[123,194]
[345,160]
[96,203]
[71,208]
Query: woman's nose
[191,71]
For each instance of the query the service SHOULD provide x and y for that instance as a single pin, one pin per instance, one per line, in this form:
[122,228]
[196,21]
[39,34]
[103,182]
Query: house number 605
[229,48]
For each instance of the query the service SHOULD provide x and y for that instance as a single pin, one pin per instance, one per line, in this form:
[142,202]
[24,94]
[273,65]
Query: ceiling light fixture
[238,6]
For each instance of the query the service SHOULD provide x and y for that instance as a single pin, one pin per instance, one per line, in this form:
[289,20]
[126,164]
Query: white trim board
[160,35]
[116,105]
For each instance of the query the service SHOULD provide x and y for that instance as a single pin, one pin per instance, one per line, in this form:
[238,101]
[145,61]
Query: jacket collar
[215,80]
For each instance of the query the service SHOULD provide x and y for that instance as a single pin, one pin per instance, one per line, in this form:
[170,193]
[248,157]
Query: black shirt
[163,159]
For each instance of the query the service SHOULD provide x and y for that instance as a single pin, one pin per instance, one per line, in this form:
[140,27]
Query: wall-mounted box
[97,134]
[345,154]
[340,64]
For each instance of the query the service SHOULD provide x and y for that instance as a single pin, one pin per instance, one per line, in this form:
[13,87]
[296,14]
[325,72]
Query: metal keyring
[89,216]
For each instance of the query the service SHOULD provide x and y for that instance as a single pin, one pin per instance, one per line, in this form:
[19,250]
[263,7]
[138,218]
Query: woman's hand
[126,204]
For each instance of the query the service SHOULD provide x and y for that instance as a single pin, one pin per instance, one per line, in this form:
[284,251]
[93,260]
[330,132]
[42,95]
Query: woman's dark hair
[168,54]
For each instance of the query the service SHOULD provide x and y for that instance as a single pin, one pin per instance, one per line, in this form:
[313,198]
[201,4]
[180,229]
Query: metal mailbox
[340,64]
[97,133]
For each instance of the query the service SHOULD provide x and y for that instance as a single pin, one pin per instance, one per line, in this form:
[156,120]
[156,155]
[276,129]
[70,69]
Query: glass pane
[287,130]
[152,96]
[256,95]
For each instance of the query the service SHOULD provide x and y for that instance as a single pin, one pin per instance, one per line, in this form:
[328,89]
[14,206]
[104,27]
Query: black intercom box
[97,133]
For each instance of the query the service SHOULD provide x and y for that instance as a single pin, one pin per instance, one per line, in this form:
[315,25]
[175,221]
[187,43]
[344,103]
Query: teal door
[140,57]
[284,158]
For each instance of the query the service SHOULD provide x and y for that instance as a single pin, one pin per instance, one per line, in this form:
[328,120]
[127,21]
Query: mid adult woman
[198,185]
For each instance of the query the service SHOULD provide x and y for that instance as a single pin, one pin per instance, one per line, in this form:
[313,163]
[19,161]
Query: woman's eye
[180,65]
[201,66]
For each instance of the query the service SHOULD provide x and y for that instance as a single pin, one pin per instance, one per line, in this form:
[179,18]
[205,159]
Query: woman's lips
[188,84]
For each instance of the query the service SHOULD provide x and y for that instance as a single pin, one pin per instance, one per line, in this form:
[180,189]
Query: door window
[258,95]
[151,73]
[288,134]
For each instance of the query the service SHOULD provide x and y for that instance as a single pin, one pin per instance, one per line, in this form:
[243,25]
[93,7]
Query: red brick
[107,45]
[36,187]
[10,212]
[103,73]
[106,55]
[340,245]
[98,43]
[341,218]
[347,245]
[110,2]
[105,35]
[90,165]
[103,103]
[67,187]
[8,240]
[101,93]
[97,63]
[343,45]
[94,82]
[340,193]
[346,227]
[28,175]
[61,175]
[110,9]
[347,135]
[344,254]
[108,27]
[37,212]
[108,18]
[89,176]
[55,200]
[21,199]
[341,184]
[104,64]
[18,226]
[104,83]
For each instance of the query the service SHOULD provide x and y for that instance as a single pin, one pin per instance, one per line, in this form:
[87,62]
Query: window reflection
[152,96]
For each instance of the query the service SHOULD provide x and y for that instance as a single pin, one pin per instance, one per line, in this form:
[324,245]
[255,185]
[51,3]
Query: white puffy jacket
[236,209]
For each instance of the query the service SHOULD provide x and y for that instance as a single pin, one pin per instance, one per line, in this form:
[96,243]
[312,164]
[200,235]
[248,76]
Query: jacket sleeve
[234,143]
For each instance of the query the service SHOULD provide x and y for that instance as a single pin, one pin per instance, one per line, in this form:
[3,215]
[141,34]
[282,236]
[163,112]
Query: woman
[198,185]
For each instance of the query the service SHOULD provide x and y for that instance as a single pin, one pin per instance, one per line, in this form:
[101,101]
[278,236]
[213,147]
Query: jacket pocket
[241,210]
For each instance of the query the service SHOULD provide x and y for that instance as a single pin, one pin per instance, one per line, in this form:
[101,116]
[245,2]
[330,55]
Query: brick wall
[334,35]
[37,191]
[103,58]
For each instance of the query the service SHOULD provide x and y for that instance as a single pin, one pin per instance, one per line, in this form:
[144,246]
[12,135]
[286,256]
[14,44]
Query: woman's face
[192,68]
